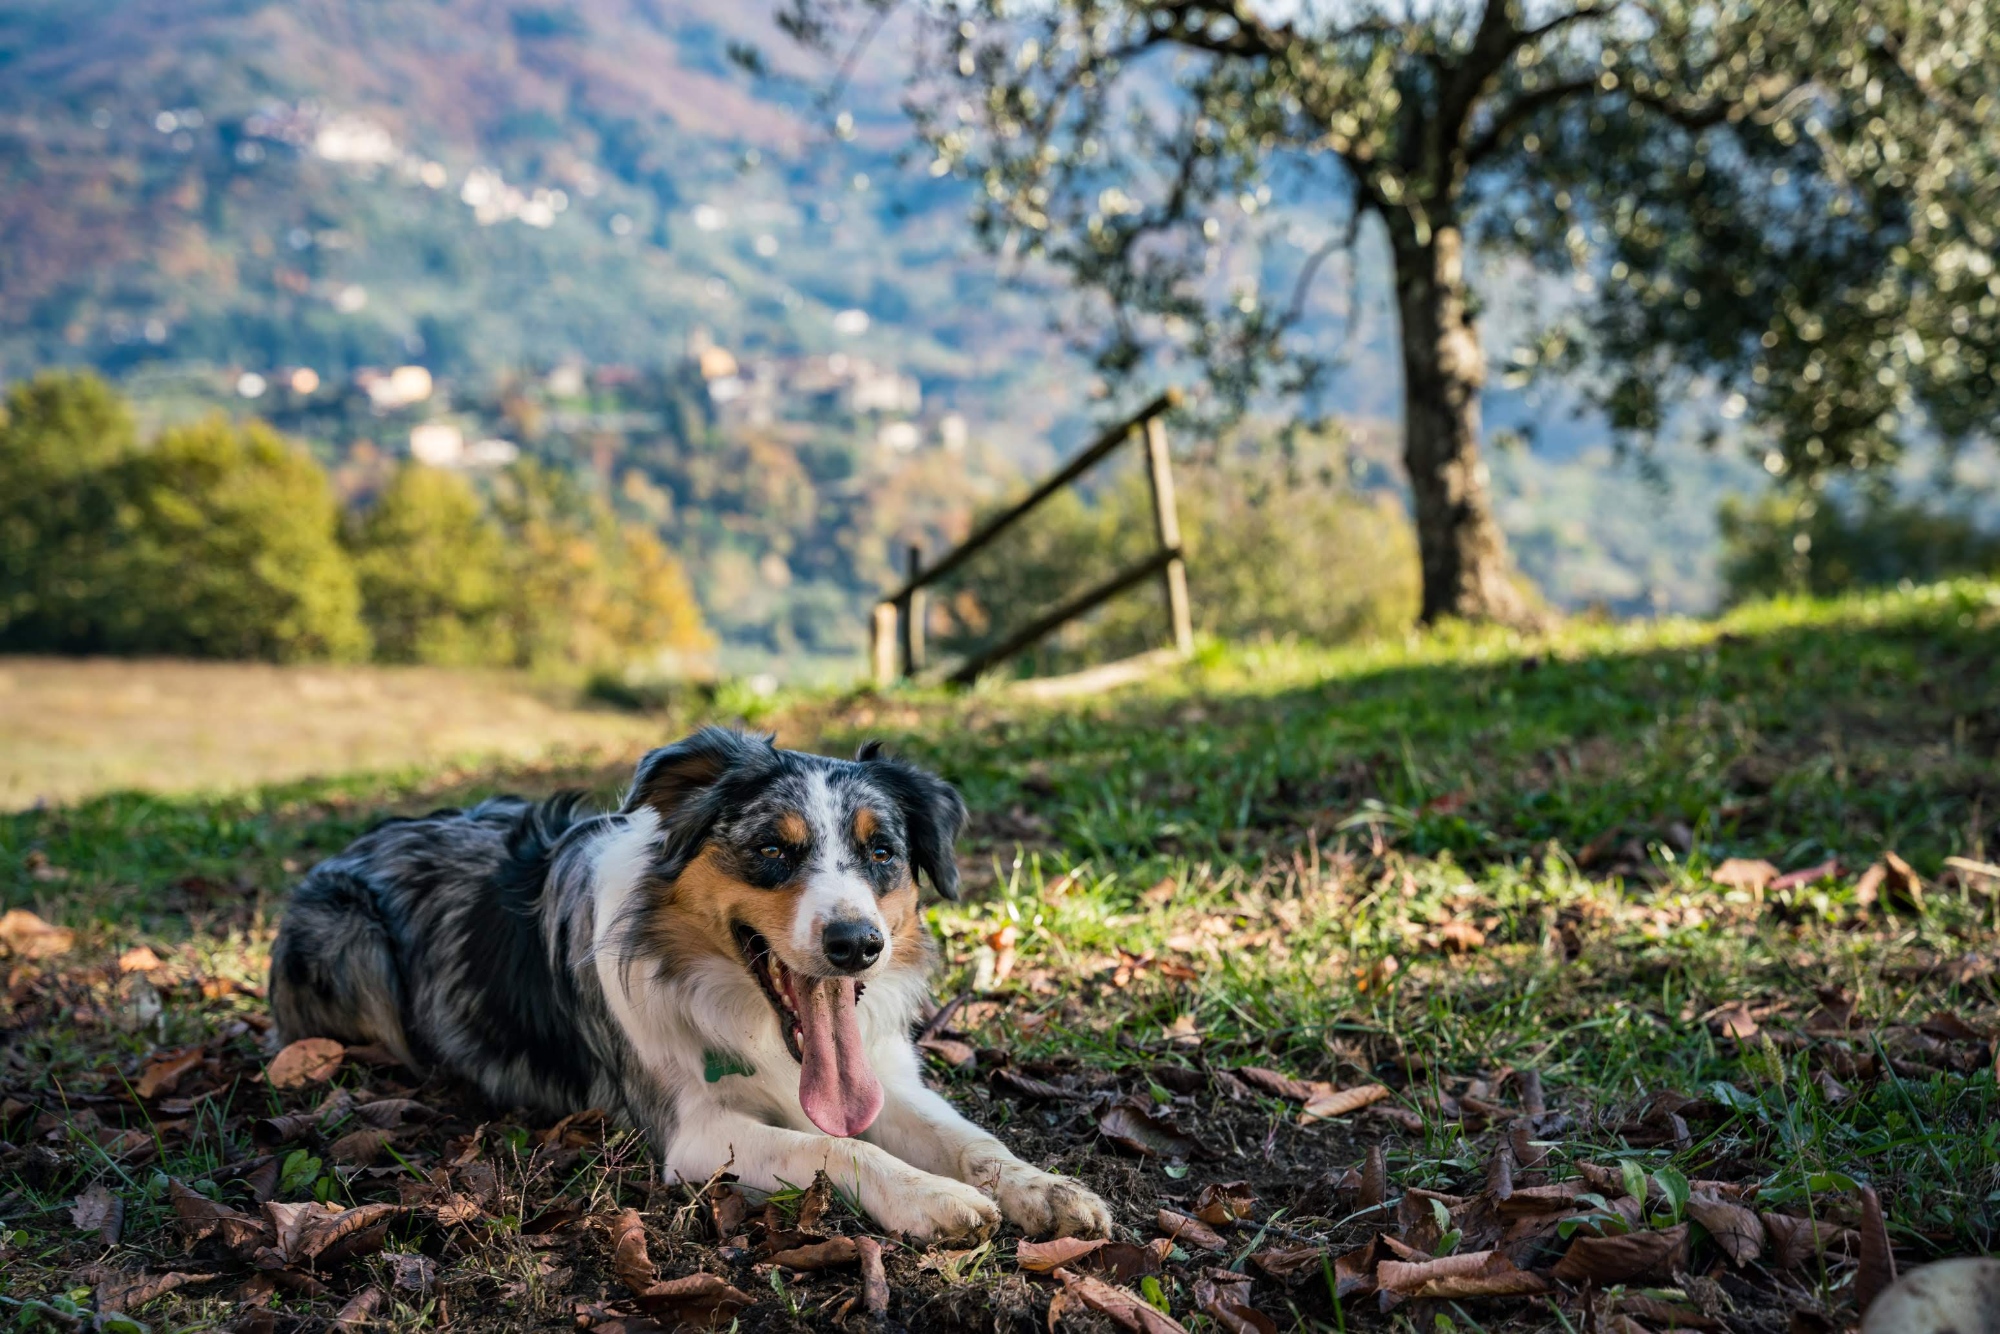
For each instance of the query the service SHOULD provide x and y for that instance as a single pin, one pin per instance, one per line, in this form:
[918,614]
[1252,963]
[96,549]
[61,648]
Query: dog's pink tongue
[837,1087]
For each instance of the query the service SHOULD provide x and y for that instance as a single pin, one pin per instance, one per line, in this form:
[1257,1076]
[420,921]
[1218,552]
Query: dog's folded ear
[673,779]
[933,816]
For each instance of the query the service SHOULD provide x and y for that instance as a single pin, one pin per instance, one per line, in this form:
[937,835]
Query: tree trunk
[1466,571]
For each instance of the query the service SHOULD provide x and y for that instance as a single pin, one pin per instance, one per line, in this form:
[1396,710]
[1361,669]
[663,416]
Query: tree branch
[1520,109]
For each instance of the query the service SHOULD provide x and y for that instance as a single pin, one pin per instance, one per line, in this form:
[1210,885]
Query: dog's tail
[333,968]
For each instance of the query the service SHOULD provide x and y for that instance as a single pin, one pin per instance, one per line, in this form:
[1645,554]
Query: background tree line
[227,541]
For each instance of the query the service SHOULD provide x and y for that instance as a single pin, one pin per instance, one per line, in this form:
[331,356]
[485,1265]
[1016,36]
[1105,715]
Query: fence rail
[897,625]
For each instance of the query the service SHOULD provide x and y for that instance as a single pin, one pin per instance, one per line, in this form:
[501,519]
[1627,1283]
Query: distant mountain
[194,189]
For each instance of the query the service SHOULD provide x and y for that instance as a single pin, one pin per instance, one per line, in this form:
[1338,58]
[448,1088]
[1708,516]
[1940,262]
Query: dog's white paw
[934,1208]
[1042,1204]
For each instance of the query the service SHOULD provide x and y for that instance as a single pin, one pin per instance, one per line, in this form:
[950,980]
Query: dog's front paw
[934,1208]
[1042,1204]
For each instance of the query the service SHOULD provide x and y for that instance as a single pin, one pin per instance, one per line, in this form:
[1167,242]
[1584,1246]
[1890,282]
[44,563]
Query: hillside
[546,204]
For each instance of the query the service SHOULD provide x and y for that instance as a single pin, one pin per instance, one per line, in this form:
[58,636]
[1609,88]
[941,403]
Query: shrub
[1274,551]
[226,545]
[432,566]
[1786,542]
[585,591]
[59,435]
[226,541]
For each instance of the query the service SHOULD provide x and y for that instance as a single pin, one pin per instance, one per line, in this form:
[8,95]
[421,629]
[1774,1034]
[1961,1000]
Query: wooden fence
[896,638]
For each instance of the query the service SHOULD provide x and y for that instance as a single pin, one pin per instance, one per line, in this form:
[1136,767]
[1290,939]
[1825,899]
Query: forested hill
[342,183]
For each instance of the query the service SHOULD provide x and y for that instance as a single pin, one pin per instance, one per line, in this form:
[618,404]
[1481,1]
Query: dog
[733,961]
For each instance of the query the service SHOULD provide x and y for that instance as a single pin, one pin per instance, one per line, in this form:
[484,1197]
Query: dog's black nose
[851,946]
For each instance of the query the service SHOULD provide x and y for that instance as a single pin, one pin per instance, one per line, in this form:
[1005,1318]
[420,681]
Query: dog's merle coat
[562,960]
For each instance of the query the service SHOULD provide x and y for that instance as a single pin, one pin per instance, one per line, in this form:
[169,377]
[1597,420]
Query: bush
[1274,551]
[585,591]
[59,434]
[227,545]
[432,566]
[226,541]
[1786,542]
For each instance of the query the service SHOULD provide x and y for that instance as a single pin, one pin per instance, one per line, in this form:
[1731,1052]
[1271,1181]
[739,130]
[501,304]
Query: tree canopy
[220,540]
[1787,204]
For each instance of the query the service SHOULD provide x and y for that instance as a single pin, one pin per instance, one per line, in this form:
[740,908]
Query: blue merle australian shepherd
[732,961]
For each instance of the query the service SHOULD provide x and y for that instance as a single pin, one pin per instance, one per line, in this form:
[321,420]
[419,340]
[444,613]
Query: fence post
[1167,522]
[913,615]
[882,644]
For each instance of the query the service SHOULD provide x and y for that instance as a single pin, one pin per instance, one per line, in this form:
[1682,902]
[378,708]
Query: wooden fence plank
[1062,477]
[1068,611]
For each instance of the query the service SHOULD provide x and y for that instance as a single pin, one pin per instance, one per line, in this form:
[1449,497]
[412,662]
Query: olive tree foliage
[1784,203]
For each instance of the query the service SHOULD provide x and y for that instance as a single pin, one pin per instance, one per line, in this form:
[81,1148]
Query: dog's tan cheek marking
[906,923]
[707,900]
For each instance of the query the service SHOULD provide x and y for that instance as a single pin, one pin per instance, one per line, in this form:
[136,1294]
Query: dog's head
[802,869]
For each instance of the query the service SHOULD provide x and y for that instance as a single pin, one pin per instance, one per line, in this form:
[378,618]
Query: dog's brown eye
[880,853]
[773,851]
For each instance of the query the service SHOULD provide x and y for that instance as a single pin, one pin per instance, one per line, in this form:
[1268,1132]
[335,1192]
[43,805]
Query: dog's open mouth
[838,1089]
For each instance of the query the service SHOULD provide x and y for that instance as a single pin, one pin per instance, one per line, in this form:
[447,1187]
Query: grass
[71,730]
[1430,863]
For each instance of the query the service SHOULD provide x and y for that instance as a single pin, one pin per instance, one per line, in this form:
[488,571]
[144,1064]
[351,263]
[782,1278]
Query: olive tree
[1785,203]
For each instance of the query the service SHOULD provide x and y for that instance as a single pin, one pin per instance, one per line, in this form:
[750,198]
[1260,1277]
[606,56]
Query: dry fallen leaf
[1374,1178]
[1734,1020]
[1500,1171]
[1796,1241]
[1877,1270]
[307,1061]
[1737,1230]
[1192,1232]
[1045,1257]
[1809,875]
[1665,1314]
[163,1073]
[98,1210]
[1893,881]
[325,1229]
[1636,1255]
[874,1282]
[1754,875]
[1273,1083]
[1455,1277]
[1228,1305]
[29,937]
[359,1148]
[122,1292]
[139,959]
[389,1113]
[1221,1203]
[700,1300]
[413,1273]
[202,1217]
[1009,1080]
[630,1264]
[1460,937]
[1124,1308]
[950,1052]
[1289,1261]
[815,1203]
[359,1310]
[1341,1102]
[1133,1125]
[819,1255]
